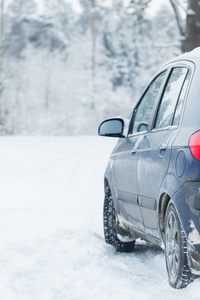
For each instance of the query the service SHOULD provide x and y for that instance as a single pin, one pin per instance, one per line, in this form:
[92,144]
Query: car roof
[191,56]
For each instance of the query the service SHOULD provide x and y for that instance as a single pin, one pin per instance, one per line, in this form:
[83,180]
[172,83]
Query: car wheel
[110,225]
[176,250]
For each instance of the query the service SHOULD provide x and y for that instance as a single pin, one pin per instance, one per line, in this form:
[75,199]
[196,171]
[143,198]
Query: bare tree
[187,15]
[188,20]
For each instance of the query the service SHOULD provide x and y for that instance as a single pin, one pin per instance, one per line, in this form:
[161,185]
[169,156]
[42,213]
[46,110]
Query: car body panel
[126,181]
[152,166]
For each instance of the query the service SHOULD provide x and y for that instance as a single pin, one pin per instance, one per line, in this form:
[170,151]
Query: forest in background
[63,71]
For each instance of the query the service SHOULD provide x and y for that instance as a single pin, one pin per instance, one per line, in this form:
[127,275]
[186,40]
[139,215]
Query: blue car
[152,181]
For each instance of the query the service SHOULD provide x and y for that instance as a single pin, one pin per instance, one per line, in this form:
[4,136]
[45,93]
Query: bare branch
[178,17]
[182,5]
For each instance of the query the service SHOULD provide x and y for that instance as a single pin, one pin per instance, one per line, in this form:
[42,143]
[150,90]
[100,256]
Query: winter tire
[176,250]
[110,227]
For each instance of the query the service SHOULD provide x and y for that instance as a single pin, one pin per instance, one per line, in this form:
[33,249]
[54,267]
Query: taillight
[194,144]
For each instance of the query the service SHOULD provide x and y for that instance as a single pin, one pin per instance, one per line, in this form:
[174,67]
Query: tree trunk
[93,51]
[93,38]
[192,34]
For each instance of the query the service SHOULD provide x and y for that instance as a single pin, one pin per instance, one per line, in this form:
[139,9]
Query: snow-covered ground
[52,245]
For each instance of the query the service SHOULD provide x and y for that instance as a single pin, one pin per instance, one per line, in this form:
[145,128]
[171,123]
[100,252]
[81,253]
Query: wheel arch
[168,189]
[182,208]
[163,204]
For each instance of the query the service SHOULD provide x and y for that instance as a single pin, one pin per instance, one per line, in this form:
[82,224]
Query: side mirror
[112,128]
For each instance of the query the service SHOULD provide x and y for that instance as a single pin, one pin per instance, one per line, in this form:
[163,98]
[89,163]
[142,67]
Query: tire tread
[110,228]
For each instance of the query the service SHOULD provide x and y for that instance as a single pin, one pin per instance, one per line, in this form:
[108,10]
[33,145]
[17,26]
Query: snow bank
[52,245]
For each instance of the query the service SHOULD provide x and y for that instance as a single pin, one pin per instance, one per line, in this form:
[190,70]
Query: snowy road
[52,245]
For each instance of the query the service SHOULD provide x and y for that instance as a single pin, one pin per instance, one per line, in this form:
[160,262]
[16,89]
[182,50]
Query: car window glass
[143,112]
[180,101]
[170,96]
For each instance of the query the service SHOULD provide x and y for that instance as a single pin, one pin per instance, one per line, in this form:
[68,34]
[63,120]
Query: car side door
[126,156]
[154,155]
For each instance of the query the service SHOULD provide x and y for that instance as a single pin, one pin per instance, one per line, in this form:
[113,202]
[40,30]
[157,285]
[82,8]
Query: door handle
[134,150]
[163,146]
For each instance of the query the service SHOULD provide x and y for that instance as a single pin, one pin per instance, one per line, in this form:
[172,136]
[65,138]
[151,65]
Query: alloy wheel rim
[172,245]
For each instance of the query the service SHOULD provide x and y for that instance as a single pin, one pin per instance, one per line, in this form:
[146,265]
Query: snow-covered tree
[138,7]
[50,58]
[1,59]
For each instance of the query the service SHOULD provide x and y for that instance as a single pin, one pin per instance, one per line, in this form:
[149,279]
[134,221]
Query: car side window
[142,114]
[179,105]
[171,102]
